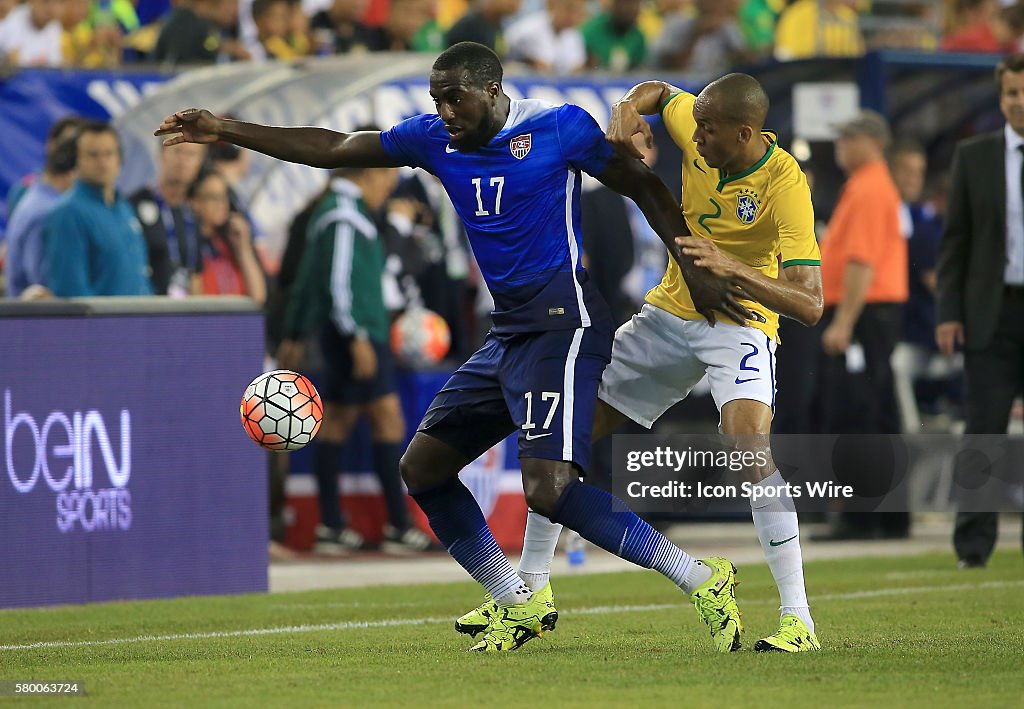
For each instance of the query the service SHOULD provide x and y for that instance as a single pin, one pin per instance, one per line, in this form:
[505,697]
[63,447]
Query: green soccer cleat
[513,626]
[477,620]
[793,636]
[715,601]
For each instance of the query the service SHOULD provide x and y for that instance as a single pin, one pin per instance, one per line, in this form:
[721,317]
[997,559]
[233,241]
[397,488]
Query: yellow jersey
[759,216]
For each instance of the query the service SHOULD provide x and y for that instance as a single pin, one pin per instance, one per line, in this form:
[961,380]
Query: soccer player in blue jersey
[512,170]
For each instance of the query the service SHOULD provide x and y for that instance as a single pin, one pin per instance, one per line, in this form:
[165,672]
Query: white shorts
[658,358]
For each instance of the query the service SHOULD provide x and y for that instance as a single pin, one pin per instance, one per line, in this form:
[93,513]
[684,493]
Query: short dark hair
[204,174]
[62,124]
[741,99]
[91,126]
[63,157]
[1014,63]
[905,146]
[260,7]
[479,62]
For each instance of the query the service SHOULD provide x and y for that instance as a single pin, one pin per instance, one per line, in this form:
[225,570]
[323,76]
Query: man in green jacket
[338,294]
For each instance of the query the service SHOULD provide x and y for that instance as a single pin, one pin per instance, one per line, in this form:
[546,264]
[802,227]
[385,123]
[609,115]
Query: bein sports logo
[59,453]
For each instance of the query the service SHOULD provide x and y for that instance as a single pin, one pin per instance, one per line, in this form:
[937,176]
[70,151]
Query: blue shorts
[339,386]
[542,383]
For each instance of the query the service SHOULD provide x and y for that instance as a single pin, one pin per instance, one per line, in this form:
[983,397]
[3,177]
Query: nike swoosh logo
[697,165]
[449,149]
[774,543]
[744,381]
[539,435]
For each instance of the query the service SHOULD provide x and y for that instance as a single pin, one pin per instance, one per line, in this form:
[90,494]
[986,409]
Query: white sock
[538,549]
[778,531]
[696,574]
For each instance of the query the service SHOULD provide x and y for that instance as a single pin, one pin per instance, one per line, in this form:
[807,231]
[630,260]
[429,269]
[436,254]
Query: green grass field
[895,632]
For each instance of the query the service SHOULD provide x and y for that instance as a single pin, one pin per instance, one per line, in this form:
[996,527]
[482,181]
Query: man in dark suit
[980,297]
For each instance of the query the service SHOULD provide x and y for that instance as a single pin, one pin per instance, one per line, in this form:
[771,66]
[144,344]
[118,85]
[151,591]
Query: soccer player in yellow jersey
[748,208]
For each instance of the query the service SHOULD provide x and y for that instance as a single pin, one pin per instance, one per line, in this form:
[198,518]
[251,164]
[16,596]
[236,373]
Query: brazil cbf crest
[520,145]
[747,206]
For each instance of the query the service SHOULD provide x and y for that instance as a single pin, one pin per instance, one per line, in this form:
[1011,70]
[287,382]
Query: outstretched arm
[317,147]
[630,177]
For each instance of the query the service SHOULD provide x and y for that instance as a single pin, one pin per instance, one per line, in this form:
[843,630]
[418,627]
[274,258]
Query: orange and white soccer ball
[281,410]
[420,338]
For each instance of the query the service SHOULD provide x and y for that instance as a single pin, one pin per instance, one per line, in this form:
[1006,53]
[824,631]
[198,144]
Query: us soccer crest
[746,207]
[520,145]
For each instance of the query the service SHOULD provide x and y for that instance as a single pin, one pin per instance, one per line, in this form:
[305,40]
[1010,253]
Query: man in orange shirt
[864,275]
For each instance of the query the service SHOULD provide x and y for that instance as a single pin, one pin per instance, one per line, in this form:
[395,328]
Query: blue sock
[604,520]
[458,522]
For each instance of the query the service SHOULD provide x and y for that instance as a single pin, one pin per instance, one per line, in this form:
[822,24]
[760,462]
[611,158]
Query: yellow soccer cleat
[513,626]
[715,601]
[793,636]
[477,620]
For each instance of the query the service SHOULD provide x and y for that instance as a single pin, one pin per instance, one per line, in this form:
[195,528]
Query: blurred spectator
[818,28]
[550,41]
[983,26]
[703,46]
[233,164]
[192,33]
[430,37]
[922,227]
[981,286]
[24,263]
[483,24]
[654,14]
[338,30]
[421,212]
[299,29]
[83,45]
[613,39]
[757,20]
[61,129]
[30,35]
[273,20]
[168,224]
[92,244]
[864,274]
[229,262]
[339,295]
[625,256]
[401,30]
[921,375]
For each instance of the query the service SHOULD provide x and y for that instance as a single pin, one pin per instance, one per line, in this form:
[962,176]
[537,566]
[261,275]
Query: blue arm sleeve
[582,140]
[66,255]
[406,142]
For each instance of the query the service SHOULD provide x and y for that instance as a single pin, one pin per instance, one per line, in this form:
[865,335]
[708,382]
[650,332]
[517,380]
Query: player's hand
[836,338]
[364,359]
[710,293]
[948,336]
[193,125]
[706,254]
[625,123]
[290,354]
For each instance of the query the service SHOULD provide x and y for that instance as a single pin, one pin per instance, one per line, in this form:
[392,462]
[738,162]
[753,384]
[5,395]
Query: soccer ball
[420,338]
[281,410]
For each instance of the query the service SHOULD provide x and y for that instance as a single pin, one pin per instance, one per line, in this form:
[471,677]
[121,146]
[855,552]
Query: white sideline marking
[398,622]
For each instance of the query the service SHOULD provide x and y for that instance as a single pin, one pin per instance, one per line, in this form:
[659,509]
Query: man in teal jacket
[92,243]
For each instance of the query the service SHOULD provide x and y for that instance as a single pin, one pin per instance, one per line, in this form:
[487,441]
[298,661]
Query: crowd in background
[699,38]
[878,370]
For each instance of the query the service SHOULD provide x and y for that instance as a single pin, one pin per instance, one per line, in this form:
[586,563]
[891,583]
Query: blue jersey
[519,196]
